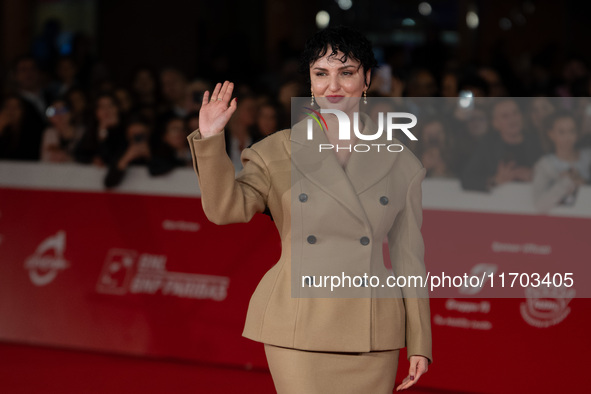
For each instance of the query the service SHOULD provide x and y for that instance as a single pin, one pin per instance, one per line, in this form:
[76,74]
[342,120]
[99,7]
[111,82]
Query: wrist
[208,133]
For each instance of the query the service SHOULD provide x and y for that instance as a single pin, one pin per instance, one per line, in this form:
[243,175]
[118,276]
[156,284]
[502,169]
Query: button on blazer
[325,213]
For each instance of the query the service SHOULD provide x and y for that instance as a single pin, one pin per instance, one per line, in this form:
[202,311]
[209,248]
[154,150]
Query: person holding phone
[135,150]
[324,345]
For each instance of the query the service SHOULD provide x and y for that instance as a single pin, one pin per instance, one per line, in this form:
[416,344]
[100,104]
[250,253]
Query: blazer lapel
[365,169]
[362,171]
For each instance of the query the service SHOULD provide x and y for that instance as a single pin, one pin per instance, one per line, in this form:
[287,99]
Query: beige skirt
[311,372]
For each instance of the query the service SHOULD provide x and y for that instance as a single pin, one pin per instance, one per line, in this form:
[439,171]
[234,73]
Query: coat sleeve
[407,251]
[227,197]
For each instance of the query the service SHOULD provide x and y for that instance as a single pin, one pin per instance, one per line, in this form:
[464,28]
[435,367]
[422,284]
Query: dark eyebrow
[340,68]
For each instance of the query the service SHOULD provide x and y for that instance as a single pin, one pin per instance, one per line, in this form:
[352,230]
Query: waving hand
[216,112]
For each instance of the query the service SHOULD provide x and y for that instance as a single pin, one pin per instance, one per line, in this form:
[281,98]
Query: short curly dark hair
[343,39]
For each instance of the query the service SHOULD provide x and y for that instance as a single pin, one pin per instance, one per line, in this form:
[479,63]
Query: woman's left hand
[418,366]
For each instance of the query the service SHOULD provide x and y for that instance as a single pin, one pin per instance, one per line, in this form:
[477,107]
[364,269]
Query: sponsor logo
[127,271]
[117,271]
[462,322]
[482,269]
[48,259]
[180,225]
[546,307]
[528,248]
[466,306]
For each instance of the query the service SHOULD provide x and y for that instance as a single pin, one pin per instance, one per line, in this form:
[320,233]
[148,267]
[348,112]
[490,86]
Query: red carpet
[33,369]
[29,369]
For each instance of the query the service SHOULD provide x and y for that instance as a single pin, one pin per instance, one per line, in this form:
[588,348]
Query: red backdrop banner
[149,275]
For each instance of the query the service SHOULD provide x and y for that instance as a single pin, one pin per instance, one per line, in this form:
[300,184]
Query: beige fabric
[352,195]
[299,371]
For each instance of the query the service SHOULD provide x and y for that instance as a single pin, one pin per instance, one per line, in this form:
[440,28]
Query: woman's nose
[333,84]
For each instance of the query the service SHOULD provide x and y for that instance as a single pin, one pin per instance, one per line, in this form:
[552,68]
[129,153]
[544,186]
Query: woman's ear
[367,78]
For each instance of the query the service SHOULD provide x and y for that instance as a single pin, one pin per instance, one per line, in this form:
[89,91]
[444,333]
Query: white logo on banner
[151,277]
[546,307]
[467,306]
[463,322]
[43,265]
[479,270]
[116,273]
[180,225]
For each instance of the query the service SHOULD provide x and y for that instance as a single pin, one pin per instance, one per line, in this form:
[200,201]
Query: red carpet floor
[32,369]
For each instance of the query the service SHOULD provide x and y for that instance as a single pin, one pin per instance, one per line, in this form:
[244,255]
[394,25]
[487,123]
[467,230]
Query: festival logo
[48,260]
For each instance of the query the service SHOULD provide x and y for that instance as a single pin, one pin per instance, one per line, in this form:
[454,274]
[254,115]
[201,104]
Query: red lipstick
[334,98]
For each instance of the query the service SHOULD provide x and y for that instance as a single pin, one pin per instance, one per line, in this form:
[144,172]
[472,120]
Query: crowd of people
[146,123]
[472,130]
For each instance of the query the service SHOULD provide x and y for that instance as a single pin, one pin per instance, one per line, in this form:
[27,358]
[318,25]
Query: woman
[539,109]
[134,150]
[268,119]
[13,139]
[436,149]
[170,148]
[238,135]
[60,139]
[76,97]
[324,345]
[557,176]
[105,136]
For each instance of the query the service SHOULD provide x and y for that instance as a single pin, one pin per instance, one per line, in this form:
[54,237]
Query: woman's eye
[347,73]
[319,74]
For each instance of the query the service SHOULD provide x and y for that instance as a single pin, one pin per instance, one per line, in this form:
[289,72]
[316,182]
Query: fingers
[227,93]
[418,366]
[409,380]
[233,106]
[421,369]
[403,385]
[223,90]
[216,91]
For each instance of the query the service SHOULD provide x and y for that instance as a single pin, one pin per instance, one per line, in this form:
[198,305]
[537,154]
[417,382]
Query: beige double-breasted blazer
[348,212]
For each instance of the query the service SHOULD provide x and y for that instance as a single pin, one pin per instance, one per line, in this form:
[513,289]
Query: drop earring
[312,98]
[365,97]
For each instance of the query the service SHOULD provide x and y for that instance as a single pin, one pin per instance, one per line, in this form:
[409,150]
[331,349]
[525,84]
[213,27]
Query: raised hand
[505,172]
[216,112]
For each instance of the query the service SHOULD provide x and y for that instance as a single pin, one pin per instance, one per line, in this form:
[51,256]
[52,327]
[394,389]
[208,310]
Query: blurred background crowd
[115,84]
